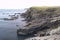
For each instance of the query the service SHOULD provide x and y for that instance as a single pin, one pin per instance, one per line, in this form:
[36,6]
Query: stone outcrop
[11,17]
[40,21]
[52,37]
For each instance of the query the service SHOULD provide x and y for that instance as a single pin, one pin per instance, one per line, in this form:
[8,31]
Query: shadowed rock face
[40,22]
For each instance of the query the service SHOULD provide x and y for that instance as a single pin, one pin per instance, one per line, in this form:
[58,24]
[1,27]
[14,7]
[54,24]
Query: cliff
[41,21]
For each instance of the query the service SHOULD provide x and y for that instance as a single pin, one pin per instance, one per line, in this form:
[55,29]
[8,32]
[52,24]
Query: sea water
[8,28]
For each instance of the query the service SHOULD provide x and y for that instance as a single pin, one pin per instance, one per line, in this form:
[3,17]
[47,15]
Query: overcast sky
[21,4]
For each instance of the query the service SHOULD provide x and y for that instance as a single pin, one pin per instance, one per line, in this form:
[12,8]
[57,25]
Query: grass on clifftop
[49,9]
[39,8]
[43,7]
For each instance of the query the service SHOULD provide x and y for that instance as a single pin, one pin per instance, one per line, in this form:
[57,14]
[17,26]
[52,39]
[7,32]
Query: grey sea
[8,28]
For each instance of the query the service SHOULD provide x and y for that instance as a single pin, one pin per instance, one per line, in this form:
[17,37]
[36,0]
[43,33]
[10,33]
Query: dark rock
[40,22]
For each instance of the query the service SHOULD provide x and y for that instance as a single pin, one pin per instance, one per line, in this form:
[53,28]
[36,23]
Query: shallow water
[8,29]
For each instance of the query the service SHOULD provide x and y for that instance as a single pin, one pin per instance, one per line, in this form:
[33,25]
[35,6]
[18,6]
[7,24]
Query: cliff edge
[41,21]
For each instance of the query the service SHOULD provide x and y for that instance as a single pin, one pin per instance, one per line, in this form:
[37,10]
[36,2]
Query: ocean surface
[8,29]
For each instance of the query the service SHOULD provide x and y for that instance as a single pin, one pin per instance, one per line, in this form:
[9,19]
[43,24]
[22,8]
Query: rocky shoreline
[41,21]
[11,17]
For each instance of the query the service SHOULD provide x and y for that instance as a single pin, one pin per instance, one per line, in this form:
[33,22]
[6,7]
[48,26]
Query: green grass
[44,7]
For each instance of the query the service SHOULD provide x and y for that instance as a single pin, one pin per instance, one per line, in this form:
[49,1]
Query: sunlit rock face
[52,37]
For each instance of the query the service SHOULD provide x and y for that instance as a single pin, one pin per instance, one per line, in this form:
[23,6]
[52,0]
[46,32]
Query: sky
[21,4]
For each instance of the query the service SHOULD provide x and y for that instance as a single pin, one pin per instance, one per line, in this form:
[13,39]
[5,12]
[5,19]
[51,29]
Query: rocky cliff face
[41,21]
